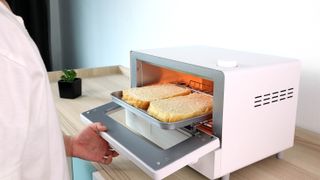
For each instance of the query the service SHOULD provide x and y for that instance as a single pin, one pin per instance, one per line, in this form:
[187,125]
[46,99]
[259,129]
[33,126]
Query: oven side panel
[259,114]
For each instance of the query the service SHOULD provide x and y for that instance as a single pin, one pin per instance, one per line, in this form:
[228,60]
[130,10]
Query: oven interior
[150,74]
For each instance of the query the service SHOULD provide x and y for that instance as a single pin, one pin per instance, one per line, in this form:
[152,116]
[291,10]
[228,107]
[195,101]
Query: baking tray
[117,98]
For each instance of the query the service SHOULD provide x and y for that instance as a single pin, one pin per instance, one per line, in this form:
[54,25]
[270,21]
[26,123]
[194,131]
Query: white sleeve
[14,116]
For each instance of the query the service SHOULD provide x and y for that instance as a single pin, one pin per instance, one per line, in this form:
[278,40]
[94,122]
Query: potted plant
[69,84]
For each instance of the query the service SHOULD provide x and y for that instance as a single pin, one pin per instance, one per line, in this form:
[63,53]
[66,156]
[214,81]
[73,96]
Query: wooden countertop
[300,162]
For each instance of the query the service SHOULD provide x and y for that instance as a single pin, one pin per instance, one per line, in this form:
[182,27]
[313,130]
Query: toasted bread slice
[181,107]
[140,97]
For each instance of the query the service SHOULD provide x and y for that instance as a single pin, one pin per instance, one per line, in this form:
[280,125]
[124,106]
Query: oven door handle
[156,162]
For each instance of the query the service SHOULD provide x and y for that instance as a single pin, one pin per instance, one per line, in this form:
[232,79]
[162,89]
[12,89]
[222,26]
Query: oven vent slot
[273,97]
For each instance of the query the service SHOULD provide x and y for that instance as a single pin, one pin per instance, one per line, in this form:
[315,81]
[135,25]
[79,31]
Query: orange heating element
[192,81]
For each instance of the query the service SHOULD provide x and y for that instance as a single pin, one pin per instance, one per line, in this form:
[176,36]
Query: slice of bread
[182,107]
[140,97]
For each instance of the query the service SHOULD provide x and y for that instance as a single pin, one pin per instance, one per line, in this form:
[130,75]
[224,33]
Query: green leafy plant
[68,75]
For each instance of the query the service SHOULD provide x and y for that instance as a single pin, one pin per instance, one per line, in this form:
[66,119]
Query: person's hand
[90,146]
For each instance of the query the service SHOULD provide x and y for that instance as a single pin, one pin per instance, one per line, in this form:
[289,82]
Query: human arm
[89,145]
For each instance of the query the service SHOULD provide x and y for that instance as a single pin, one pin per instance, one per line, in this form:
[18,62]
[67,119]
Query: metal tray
[117,98]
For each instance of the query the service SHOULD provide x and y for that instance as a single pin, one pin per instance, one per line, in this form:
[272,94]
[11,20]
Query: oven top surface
[212,57]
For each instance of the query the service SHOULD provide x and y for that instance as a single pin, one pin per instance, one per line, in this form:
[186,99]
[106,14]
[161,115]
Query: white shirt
[31,142]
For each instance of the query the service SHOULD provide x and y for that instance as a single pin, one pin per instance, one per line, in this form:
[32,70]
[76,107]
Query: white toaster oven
[254,111]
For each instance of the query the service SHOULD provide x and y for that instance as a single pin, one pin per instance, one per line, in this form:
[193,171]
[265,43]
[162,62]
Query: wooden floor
[301,162]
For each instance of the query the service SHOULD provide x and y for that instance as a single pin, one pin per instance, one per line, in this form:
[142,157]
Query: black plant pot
[70,90]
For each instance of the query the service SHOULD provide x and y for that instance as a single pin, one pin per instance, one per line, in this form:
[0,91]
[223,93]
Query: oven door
[153,160]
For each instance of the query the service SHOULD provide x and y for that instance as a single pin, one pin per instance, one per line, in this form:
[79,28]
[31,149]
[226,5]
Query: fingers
[98,127]
[101,127]
[112,152]
[115,154]
[106,159]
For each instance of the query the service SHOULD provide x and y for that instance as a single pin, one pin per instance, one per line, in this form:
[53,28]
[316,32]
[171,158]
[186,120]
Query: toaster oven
[254,111]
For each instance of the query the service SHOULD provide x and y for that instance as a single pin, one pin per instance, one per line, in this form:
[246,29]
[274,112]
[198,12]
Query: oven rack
[192,86]
[117,98]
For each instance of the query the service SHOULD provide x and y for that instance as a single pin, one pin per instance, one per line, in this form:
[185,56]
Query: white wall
[104,31]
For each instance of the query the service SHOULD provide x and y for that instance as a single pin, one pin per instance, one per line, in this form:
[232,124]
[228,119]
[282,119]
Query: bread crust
[180,108]
[140,97]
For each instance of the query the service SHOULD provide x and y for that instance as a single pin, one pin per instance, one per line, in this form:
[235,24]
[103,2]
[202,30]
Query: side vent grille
[273,97]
